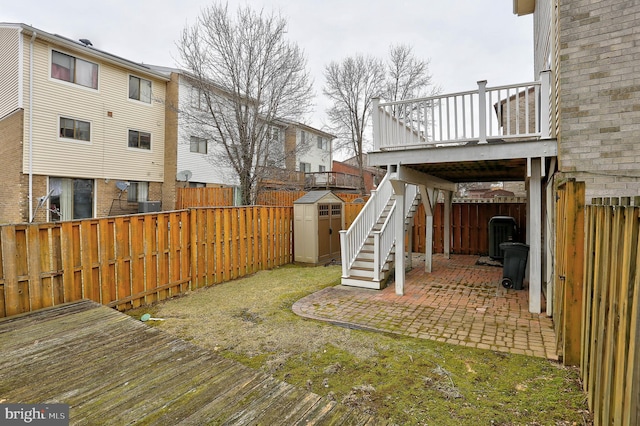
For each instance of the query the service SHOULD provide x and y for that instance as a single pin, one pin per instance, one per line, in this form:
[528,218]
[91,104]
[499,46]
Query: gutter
[33,38]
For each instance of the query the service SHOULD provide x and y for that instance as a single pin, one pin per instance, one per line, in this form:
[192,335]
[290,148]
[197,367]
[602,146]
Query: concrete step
[364,283]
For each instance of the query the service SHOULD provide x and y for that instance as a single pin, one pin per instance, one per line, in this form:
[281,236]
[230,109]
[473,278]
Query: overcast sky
[465,40]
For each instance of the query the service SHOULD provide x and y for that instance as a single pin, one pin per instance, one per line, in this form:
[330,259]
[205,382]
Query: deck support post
[399,191]
[428,203]
[448,201]
[534,233]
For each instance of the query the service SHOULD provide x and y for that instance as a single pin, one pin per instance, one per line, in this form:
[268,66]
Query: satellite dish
[121,185]
[184,176]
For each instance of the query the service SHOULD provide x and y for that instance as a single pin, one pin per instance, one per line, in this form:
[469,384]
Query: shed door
[324,232]
[336,226]
[329,225]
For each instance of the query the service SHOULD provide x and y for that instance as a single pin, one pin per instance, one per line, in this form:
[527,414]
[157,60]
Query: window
[70,198]
[198,145]
[139,89]
[138,191]
[141,140]
[75,129]
[322,168]
[198,99]
[275,133]
[69,68]
[303,137]
[305,167]
[322,143]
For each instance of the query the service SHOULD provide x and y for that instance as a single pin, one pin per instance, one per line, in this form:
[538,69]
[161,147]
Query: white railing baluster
[464,118]
[473,130]
[508,122]
[353,239]
[526,111]
[452,118]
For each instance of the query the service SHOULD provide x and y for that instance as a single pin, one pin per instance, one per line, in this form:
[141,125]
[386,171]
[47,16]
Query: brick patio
[459,303]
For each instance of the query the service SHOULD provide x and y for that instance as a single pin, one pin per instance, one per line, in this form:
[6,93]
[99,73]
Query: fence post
[573,282]
[482,111]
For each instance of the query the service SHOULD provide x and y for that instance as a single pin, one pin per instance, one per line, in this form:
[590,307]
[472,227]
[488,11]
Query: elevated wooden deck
[113,369]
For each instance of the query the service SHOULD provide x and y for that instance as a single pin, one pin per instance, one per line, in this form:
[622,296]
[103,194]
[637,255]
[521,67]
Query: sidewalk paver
[459,303]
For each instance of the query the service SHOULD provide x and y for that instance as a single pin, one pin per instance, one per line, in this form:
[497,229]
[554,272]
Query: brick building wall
[600,95]
[168,195]
[290,139]
[14,190]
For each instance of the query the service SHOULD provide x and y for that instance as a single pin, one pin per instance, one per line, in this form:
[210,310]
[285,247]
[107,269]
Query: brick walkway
[459,303]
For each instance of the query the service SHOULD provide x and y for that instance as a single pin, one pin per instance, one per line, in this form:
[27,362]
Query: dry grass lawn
[405,380]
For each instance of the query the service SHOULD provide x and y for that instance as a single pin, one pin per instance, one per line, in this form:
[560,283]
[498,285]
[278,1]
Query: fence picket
[11,286]
[242,242]
[628,270]
[33,258]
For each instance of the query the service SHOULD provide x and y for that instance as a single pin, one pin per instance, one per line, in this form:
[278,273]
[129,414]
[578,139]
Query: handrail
[352,239]
[498,112]
[383,241]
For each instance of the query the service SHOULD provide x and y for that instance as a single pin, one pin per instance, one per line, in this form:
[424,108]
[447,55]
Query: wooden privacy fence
[610,344]
[469,226]
[286,198]
[128,261]
[278,198]
[204,197]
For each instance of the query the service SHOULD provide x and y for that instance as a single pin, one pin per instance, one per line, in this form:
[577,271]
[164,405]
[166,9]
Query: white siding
[542,36]
[205,168]
[107,155]
[314,155]
[9,70]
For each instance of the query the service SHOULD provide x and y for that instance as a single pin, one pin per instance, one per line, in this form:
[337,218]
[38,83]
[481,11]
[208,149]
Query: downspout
[33,38]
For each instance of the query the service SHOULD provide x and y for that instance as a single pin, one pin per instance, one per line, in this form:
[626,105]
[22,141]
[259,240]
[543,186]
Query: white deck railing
[383,241]
[385,238]
[352,239]
[502,112]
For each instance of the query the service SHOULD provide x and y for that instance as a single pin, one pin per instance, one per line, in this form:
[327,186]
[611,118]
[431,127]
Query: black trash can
[514,264]
[502,229]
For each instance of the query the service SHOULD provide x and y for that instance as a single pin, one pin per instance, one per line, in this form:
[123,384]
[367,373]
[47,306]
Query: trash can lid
[511,245]
[504,218]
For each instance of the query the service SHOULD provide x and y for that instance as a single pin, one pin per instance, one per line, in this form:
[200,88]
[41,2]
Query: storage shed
[317,220]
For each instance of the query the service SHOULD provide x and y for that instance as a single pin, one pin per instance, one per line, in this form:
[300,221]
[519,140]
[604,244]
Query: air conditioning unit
[149,206]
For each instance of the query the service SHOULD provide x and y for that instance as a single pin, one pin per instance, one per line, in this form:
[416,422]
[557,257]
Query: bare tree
[351,86]
[246,75]
[407,76]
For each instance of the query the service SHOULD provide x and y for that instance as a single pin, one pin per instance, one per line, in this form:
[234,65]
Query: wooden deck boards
[112,369]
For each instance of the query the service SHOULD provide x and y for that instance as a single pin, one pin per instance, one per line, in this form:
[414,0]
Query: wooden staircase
[361,273]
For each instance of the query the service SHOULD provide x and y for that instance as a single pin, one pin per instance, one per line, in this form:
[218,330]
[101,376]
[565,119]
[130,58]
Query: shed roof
[312,197]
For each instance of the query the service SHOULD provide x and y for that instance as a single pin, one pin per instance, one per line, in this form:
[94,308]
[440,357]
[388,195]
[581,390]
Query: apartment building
[82,131]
